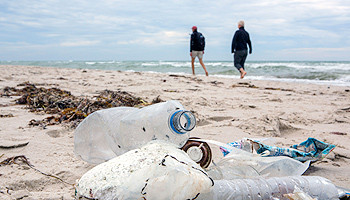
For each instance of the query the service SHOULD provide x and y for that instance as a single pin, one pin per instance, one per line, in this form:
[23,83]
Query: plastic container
[108,133]
[271,188]
[243,164]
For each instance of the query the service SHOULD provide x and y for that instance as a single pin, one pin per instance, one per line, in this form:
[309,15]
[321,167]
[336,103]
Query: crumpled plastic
[158,170]
[311,149]
[244,164]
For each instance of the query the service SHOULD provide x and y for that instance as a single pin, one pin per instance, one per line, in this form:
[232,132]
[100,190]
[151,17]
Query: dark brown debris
[338,133]
[6,116]
[22,159]
[15,160]
[65,107]
[157,100]
[244,84]
[346,109]
[13,146]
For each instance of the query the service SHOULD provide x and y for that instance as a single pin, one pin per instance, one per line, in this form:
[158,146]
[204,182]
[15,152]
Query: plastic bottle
[271,188]
[243,164]
[108,133]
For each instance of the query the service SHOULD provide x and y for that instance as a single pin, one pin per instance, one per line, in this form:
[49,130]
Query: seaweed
[65,107]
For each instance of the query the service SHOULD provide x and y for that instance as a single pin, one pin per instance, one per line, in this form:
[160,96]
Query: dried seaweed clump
[65,107]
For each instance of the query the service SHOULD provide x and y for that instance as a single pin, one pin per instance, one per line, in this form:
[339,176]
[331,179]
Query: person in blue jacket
[239,48]
[197,45]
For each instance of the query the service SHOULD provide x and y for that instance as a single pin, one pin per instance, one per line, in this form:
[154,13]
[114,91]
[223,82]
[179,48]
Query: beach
[227,110]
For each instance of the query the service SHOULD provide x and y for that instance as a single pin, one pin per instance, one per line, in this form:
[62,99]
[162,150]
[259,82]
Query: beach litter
[309,150]
[158,170]
[147,153]
[108,133]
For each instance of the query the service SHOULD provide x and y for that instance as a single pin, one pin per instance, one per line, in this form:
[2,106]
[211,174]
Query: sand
[227,110]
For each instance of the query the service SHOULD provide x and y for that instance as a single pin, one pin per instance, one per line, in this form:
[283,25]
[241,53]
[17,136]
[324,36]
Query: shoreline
[227,110]
[185,70]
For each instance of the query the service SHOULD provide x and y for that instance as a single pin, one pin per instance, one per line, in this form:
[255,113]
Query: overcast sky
[160,29]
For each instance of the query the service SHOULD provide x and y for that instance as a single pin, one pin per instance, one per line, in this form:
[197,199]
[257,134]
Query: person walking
[239,48]
[197,45]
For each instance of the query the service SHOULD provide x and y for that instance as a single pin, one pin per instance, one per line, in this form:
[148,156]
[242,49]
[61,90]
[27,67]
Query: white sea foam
[177,64]
[341,82]
[320,66]
[334,73]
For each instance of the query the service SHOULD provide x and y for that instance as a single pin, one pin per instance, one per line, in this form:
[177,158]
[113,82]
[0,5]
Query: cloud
[79,43]
[273,25]
[159,38]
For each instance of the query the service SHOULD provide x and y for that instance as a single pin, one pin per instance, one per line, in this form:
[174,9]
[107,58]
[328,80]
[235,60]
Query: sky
[292,30]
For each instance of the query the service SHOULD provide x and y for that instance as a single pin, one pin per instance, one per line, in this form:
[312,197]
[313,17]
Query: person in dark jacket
[239,48]
[197,45]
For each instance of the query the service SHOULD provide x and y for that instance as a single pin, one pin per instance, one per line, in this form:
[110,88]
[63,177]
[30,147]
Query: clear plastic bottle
[242,164]
[271,188]
[108,133]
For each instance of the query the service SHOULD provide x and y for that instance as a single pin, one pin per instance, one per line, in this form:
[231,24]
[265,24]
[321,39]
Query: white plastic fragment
[158,170]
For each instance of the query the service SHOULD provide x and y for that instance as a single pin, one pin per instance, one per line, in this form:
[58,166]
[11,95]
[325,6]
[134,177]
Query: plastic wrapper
[311,149]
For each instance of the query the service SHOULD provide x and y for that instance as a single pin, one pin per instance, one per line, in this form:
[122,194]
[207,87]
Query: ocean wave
[337,73]
[90,63]
[319,66]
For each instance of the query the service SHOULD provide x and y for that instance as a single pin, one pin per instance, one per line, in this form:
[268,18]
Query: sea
[318,72]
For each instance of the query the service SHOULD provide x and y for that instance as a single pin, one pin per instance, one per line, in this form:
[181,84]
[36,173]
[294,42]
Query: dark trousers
[239,58]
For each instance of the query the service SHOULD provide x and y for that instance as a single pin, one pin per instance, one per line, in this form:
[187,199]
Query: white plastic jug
[108,133]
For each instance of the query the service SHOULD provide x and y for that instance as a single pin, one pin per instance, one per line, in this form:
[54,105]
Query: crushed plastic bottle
[158,170]
[108,133]
[243,164]
[271,188]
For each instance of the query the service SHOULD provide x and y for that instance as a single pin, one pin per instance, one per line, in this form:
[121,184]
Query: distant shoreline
[315,72]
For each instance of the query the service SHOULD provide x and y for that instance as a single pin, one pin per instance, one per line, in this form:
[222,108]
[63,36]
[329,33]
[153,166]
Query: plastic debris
[151,157]
[159,170]
[271,188]
[311,149]
[108,133]
[298,194]
[243,164]
[198,151]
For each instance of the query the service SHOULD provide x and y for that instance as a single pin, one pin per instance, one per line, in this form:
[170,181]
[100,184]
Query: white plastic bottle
[271,188]
[111,132]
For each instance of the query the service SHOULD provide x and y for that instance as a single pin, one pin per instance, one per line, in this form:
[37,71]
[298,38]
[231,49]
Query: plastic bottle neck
[182,121]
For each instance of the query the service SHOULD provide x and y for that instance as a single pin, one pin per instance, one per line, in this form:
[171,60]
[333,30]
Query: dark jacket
[240,41]
[195,43]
